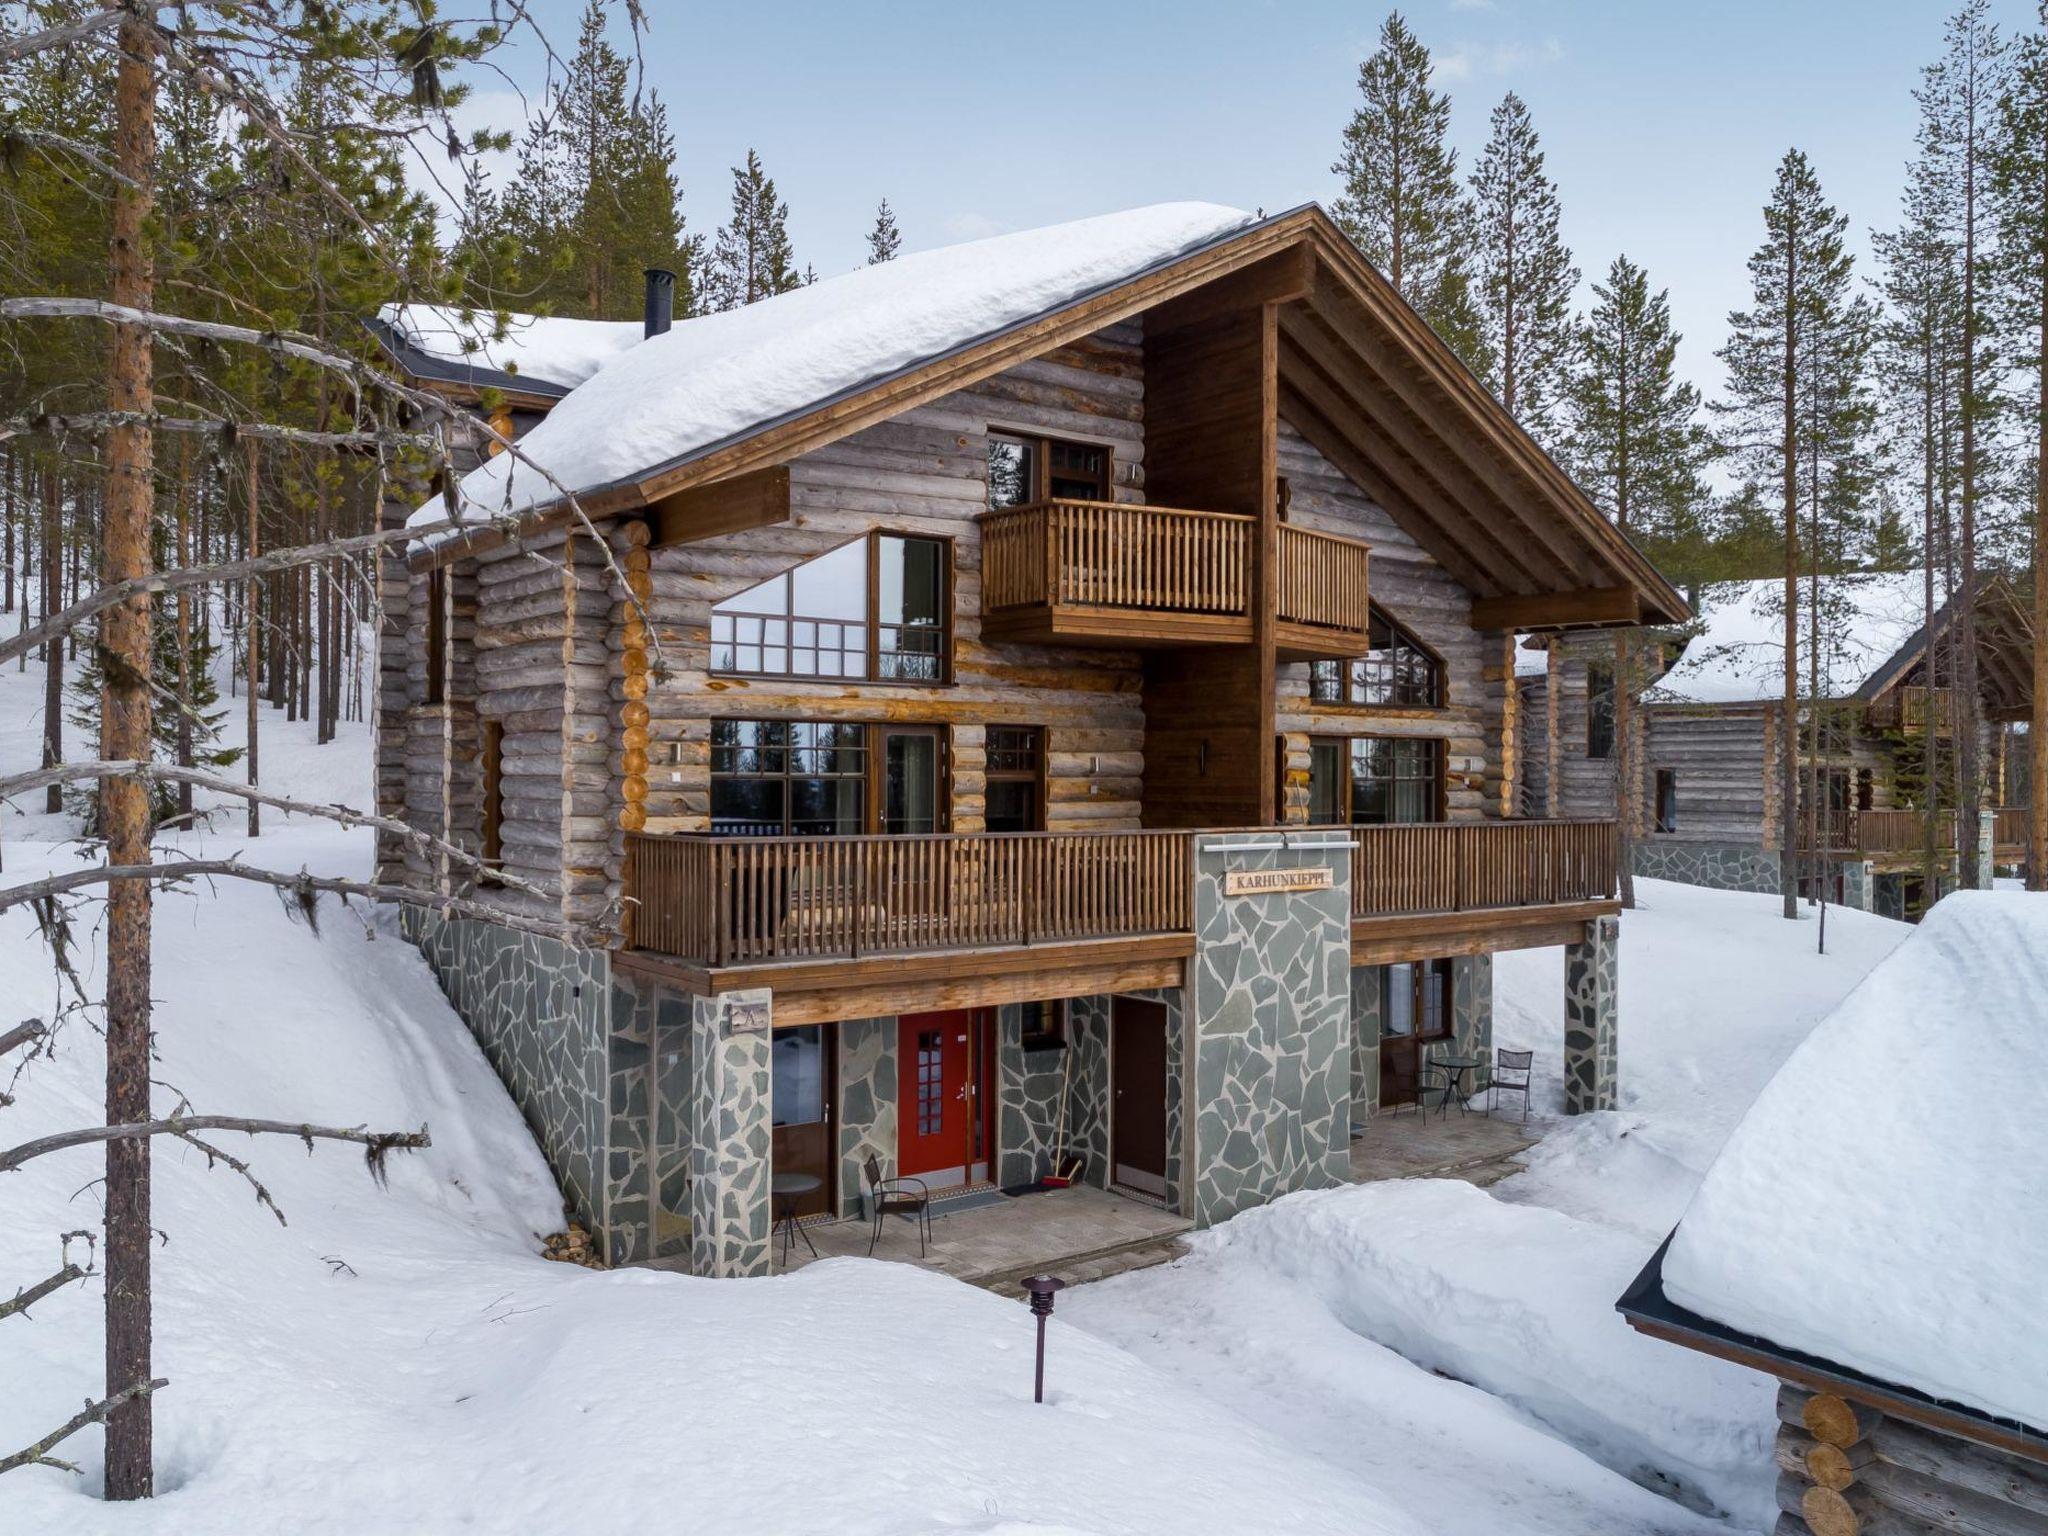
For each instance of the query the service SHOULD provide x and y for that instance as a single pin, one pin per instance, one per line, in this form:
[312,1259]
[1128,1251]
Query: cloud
[1474,61]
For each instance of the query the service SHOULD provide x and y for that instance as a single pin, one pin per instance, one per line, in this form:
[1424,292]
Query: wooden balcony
[1907,710]
[891,924]
[1879,835]
[1098,574]
[2011,833]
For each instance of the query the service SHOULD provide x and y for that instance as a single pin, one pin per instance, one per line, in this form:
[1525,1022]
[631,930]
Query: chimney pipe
[661,298]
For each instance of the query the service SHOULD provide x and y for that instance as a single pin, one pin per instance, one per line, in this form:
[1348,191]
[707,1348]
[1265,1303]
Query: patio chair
[1446,1085]
[898,1195]
[1511,1074]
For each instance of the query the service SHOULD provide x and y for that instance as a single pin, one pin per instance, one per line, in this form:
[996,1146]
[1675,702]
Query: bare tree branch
[426,842]
[378,1143]
[42,138]
[21,1034]
[54,424]
[212,1152]
[288,343]
[303,884]
[19,45]
[23,1299]
[93,1413]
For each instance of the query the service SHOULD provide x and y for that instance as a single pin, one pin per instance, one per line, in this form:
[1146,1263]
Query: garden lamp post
[1042,1289]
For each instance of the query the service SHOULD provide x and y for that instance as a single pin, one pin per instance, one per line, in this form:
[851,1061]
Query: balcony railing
[1877,832]
[2012,828]
[726,901]
[1906,710]
[1093,554]
[1323,580]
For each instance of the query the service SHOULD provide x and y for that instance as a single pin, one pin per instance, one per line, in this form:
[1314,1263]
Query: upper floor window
[879,609]
[1015,779]
[1667,800]
[1367,780]
[1027,469]
[1599,711]
[1399,672]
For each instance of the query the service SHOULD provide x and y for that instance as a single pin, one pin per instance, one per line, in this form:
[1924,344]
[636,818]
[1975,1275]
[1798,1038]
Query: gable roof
[1360,375]
[539,358]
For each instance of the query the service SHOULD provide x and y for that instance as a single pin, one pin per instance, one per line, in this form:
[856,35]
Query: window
[1045,1026]
[931,1082]
[803,778]
[1015,779]
[492,809]
[1398,672]
[1599,711]
[878,609]
[437,635]
[1022,470]
[1667,800]
[1366,780]
[1866,789]
[1415,999]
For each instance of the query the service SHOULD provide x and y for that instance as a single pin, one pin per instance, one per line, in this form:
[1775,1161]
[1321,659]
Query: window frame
[1347,691]
[872,650]
[1035,775]
[437,636]
[1420,973]
[1596,710]
[1347,786]
[874,768]
[1664,804]
[1050,1033]
[1042,444]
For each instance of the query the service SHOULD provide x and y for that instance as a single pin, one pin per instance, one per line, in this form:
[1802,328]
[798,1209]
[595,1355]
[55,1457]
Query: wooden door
[1415,1016]
[1138,1080]
[945,1099]
[804,1083]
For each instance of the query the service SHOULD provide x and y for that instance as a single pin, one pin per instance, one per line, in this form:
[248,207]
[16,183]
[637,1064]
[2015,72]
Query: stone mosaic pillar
[1859,885]
[1987,850]
[867,1107]
[1472,1005]
[731,1145]
[1590,1028]
[1268,1101]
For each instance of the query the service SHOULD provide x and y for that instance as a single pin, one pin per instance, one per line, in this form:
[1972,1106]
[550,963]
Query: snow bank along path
[1883,1204]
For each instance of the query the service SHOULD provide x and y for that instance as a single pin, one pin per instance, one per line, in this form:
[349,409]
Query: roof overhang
[462,383]
[2005,652]
[1649,1311]
[1360,375]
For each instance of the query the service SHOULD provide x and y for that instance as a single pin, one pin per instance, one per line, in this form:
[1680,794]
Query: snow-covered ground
[1421,1356]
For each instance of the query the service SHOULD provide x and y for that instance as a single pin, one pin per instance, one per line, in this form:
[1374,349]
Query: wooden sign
[747,1018]
[1267,882]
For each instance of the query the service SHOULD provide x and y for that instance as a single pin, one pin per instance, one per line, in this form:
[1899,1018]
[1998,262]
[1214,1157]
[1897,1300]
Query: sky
[1663,123]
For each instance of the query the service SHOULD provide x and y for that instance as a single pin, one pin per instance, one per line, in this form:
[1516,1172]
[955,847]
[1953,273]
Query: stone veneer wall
[648,1160]
[1028,1087]
[541,1011]
[1268,1098]
[1591,1032]
[869,1086]
[731,1140]
[1718,866]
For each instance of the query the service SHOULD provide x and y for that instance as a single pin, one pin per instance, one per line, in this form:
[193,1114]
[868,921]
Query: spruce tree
[883,239]
[1801,280]
[1401,202]
[752,258]
[1526,276]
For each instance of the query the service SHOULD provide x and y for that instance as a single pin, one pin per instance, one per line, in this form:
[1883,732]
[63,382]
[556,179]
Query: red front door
[942,1108]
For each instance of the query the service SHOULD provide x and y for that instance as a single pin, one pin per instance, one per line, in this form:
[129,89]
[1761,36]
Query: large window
[802,778]
[877,609]
[1415,999]
[1599,711]
[437,635]
[1398,672]
[1015,779]
[1022,470]
[1367,780]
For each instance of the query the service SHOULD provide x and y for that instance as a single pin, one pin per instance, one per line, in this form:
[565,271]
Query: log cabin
[1705,756]
[1053,694]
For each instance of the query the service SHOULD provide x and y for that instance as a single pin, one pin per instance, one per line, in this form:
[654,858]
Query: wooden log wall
[1723,768]
[1476,721]
[924,472]
[1845,1469]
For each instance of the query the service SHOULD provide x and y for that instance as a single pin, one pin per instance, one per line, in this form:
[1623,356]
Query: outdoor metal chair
[897,1195]
[1446,1085]
[1511,1074]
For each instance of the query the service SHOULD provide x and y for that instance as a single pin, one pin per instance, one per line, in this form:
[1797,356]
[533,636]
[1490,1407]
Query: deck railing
[1097,554]
[2012,827]
[1906,710]
[1878,832]
[1463,866]
[1323,579]
[724,901]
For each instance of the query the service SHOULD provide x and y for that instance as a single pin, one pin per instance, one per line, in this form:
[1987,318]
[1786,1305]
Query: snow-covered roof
[1532,656]
[1882,1205]
[1739,656]
[722,375]
[547,349]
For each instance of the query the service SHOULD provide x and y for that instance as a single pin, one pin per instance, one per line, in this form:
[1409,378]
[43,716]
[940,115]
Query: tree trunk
[2037,726]
[184,612]
[1968,769]
[53,653]
[1788,718]
[125,734]
[252,636]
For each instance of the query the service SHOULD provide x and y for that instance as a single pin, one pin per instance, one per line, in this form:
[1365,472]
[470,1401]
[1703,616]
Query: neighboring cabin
[1706,758]
[967,591]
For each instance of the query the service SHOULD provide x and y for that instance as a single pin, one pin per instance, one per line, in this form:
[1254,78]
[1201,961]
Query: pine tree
[752,258]
[536,211]
[1801,280]
[2019,173]
[1635,441]
[884,239]
[1526,276]
[1401,202]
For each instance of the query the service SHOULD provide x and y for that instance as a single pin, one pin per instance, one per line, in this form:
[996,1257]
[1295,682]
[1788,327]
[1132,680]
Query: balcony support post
[1591,1002]
[730,1158]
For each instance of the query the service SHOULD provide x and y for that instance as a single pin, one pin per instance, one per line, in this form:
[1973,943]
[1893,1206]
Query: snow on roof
[1739,657]
[1531,660]
[723,374]
[549,348]
[1882,1206]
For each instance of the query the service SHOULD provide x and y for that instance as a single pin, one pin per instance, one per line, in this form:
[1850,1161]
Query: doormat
[952,1205]
[1019,1191]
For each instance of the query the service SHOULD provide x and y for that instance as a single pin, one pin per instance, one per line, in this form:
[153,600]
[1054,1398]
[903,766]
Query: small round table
[788,1188]
[1454,1069]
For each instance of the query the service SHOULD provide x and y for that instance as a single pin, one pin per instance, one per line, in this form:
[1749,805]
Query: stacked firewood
[571,1246]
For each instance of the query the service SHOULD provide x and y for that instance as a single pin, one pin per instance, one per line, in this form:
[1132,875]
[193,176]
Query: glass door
[910,781]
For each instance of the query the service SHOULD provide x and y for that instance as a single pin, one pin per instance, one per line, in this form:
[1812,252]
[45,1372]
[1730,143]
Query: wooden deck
[841,925]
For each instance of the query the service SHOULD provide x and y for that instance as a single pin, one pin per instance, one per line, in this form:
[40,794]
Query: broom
[1064,1170]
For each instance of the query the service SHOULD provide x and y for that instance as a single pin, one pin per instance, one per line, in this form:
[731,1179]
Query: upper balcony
[1909,711]
[838,925]
[1103,574]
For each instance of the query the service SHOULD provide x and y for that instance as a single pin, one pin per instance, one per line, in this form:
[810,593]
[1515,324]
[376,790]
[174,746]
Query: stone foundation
[1591,997]
[1717,866]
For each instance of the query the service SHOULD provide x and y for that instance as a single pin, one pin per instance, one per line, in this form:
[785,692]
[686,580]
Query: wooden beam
[1559,610]
[756,500]
[1439,935]
[1284,276]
